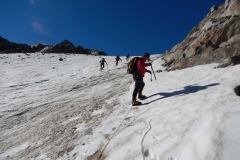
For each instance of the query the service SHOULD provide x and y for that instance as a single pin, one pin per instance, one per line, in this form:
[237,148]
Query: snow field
[51,109]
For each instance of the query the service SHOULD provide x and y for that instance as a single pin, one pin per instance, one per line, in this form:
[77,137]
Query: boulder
[213,8]
[237,90]
[158,71]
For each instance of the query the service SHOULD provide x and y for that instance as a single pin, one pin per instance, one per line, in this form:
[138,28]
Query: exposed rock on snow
[237,90]
[234,60]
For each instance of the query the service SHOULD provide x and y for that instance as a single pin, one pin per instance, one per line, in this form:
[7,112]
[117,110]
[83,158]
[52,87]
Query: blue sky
[116,27]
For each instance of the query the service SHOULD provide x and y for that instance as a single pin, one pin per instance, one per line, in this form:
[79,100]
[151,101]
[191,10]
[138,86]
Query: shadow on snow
[187,90]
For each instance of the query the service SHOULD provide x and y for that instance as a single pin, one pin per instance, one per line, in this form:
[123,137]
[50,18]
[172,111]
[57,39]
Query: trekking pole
[151,77]
[153,73]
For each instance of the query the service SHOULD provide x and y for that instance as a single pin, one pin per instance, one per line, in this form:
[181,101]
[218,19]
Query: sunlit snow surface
[51,109]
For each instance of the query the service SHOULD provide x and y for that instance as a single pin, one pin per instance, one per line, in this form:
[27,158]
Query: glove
[149,64]
[149,71]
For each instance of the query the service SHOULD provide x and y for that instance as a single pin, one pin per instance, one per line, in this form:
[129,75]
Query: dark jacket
[118,58]
[102,61]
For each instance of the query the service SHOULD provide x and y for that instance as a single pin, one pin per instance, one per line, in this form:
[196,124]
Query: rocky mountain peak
[66,43]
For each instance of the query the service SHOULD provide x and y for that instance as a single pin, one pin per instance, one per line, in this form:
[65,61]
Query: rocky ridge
[215,39]
[63,47]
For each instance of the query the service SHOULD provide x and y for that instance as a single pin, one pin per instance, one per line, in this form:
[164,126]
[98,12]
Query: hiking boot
[136,103]
[141,97]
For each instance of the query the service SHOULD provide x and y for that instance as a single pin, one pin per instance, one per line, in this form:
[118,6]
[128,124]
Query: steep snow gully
[45,99]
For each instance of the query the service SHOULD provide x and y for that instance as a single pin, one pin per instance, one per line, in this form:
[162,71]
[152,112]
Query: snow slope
[51,109]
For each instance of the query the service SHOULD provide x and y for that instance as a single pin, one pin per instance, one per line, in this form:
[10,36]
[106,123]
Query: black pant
[102,65]
[139,84]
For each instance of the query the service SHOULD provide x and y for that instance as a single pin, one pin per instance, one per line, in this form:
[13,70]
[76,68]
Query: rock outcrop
[63,47]
[215,39]
[237,90]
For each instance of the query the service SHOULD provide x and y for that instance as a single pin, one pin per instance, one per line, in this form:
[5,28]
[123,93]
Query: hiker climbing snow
[138,74]
[117,59]
[127,57]
[102,63]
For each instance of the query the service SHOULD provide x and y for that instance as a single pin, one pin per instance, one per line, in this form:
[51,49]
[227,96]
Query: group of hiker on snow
[118,58]
[102,61]
[138,71]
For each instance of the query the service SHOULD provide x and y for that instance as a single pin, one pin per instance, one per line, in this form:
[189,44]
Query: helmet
[146,55]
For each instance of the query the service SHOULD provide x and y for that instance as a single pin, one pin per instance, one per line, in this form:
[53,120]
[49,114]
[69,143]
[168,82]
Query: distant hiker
[117,59]
[102,64]
[138,78]
[127,57]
